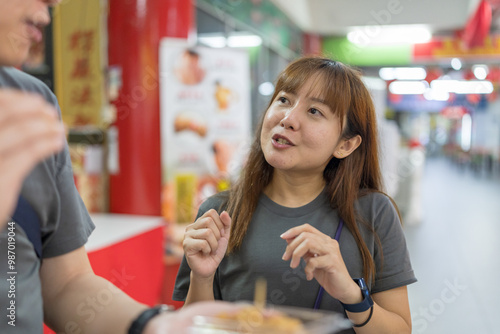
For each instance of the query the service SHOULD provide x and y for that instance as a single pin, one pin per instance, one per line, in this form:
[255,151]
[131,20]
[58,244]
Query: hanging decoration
[477,27]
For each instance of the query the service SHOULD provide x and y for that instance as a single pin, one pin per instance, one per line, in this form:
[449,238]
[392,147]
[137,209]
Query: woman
[308,213]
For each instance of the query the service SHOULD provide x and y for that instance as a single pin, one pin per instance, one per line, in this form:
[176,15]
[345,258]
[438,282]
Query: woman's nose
[290,119]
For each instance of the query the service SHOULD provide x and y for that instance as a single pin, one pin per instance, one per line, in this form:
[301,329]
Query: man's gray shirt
[65,223]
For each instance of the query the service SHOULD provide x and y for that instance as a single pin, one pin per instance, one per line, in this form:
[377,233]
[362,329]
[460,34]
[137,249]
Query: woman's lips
[281,141]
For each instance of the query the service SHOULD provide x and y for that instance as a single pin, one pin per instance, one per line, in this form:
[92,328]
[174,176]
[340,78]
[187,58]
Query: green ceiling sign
[341,49]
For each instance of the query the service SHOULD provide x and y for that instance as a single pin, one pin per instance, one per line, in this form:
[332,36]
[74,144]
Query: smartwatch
[367,301]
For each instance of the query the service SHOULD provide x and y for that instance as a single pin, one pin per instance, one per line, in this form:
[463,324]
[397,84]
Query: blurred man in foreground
[45,273]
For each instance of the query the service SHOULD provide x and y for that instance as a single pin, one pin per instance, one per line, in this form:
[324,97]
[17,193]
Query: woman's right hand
[205,242]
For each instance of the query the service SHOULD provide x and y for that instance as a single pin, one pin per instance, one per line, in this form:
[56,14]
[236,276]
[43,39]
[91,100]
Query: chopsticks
[260,293]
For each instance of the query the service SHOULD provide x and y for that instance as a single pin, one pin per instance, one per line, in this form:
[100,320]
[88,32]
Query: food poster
[205,123]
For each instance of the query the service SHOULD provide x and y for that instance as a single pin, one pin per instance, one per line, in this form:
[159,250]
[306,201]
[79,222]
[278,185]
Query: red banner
[477,27]
[450,47]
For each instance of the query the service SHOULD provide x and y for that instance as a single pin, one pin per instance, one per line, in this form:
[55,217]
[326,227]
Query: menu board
[205,123]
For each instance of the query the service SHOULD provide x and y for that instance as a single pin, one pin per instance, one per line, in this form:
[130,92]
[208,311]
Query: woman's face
[300,133]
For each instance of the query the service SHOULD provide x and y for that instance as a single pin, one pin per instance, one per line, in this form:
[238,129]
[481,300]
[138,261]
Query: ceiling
[337,17]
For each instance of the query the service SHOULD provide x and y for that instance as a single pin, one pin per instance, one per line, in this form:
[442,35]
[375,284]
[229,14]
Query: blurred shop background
[161,98]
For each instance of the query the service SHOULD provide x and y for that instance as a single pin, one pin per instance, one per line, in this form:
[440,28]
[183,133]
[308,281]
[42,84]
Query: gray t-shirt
[65,224]
[262,248]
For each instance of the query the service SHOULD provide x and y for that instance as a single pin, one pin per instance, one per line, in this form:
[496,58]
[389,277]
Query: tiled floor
[455,252]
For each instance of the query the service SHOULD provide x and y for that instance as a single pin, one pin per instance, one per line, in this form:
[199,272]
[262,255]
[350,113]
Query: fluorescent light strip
[402,73]
[244,41]
[233,41]
[435,95]
[213,41]
[463,86]
[408,87]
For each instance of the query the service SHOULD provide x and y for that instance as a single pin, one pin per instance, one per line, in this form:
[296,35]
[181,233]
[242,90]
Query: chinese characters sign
[78,66]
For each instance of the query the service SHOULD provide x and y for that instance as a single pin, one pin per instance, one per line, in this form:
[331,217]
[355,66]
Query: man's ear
[347,146]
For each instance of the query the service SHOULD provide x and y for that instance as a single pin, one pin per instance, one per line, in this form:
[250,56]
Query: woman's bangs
[330,83]
[330,86]
[291,80]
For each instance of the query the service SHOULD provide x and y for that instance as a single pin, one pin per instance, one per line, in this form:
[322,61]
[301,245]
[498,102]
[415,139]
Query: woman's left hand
[324,262]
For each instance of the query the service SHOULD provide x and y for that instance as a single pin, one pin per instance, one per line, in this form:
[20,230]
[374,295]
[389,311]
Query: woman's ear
[347,146]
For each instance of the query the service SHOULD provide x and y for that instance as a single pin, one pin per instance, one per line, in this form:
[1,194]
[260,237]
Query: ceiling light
[408,87]
[235,40]
[480,71]
[436,95]
[393,34]
[243,41]
[266,88]
[402,73]
[456,64]
[213,41]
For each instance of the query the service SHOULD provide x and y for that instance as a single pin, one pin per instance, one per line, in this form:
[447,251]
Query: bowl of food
[257,318]
[273,319]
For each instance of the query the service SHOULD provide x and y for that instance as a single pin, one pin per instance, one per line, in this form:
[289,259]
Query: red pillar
[135,28]
[312,44]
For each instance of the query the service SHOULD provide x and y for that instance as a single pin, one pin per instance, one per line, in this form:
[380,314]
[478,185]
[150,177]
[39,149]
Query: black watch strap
[367,301]
[140,322]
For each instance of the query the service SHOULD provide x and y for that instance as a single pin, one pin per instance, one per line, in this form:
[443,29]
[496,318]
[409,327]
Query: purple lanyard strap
[319,297]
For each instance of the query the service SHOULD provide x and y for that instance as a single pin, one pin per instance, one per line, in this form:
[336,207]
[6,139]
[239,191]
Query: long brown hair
[346,179]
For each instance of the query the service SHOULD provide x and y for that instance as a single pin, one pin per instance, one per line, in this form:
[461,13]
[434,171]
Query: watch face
[362,284]
[367,301]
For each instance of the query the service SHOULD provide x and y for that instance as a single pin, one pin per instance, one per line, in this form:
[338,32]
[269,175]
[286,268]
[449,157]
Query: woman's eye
[282,99]
[315,111]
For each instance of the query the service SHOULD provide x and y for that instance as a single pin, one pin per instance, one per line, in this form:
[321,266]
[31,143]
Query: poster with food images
[205,123]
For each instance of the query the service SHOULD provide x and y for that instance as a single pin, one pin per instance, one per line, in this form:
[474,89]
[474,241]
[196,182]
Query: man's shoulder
[14,78]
